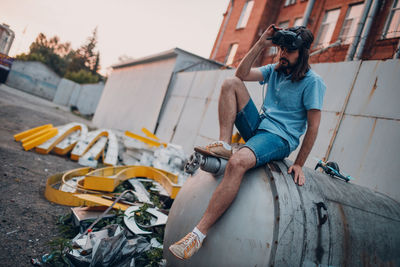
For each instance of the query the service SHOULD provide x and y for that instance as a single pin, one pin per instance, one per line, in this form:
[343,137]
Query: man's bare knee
[238,163]
[231,84]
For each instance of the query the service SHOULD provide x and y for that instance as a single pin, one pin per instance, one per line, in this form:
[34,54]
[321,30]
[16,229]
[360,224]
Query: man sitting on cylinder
[292,104]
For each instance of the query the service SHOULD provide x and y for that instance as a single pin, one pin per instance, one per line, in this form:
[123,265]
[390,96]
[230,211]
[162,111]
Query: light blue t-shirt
[286,103]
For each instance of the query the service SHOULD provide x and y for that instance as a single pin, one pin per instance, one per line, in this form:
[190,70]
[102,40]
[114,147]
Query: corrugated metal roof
[161,56]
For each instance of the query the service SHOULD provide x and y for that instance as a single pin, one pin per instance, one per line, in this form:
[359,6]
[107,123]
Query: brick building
[343,29]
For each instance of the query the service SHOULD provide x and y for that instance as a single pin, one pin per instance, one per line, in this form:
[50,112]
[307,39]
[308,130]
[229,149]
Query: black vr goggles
[289,38]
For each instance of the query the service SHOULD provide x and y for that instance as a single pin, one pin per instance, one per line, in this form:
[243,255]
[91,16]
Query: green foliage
[59,248]
[82,76]
[80,65]
[150,258]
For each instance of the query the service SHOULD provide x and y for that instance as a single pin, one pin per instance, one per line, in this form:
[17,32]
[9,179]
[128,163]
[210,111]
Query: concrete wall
[89,97]
[34,78]
[360,126]
[37,79]
[85,97]
[64,92]
[133,96]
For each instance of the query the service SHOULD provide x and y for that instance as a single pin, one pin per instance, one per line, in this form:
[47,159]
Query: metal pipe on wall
[353,46]
[307,13]
[367,29]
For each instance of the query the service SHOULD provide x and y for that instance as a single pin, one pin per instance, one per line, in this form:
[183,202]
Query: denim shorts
[266,146]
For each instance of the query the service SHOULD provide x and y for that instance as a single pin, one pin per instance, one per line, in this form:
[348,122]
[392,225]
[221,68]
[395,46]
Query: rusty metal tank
[273,222]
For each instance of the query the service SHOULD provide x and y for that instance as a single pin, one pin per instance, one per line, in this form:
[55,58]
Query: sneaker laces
[216,144]
[189,239]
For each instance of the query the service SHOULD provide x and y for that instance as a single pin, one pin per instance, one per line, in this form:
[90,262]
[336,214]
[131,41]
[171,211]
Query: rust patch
[346,236]
[373,89]
[273,167]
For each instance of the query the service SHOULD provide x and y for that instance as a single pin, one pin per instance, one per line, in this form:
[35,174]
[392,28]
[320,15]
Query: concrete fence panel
[65,91]
[360,125]
[34,78]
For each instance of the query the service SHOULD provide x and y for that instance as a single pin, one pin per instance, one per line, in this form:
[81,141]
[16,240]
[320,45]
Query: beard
[284,65]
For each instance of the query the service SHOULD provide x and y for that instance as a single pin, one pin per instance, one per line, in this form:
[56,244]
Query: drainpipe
[367,28]
[397,54]
[307,13]
[353,46]
[222,31]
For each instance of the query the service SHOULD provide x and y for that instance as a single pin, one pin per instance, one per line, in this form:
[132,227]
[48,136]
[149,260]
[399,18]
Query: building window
[327,27]
[231,54]
[298,22]
[350,23]
[392,27]
[244,17]
[290,2]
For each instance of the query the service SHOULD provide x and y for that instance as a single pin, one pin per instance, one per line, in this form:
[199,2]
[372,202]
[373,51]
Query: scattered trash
[12,232]
[75,138]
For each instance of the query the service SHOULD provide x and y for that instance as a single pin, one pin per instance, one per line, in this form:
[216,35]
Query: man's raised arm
[244,71]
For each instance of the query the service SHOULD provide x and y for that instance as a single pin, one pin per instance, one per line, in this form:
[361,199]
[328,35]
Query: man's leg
[221,199]
[227,190]
[233,98]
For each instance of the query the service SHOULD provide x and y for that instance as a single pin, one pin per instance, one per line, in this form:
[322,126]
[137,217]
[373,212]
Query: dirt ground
[27,219]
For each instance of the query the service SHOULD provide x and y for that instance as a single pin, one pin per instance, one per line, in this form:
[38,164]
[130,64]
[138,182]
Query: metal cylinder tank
[273,222]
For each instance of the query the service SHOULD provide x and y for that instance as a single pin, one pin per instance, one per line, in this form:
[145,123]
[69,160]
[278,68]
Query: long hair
[302,66]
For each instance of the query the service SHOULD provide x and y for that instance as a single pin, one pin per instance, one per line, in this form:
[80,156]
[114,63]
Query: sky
[130,28]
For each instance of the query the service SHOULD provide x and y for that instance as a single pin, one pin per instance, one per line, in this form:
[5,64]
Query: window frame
[392,11]
[345,19]
[228,55]
[316,43]
[245,15]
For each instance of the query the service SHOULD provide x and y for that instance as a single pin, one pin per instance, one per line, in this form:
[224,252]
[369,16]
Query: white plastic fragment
[141,192]
[130,222]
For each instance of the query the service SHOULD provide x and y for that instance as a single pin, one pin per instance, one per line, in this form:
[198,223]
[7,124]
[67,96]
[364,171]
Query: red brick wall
[266,12]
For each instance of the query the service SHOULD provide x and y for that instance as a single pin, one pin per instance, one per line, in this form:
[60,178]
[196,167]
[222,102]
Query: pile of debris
[122,223]
[120,210]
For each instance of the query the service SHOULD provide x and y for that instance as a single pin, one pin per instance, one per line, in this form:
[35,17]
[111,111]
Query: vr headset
[289,38]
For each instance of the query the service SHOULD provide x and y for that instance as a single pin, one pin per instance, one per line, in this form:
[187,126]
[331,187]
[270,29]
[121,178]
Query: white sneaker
[186,247]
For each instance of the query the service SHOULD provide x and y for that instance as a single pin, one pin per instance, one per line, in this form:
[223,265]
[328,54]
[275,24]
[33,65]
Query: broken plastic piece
[146,140]
[141,192]
[129,220]
[22,135]
[38,138]
[63,132]
[83,145]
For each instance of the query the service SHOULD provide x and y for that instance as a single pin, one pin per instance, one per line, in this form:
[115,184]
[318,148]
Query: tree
[81,65]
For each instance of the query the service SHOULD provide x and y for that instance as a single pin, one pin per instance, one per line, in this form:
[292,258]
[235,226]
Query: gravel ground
[27,219]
